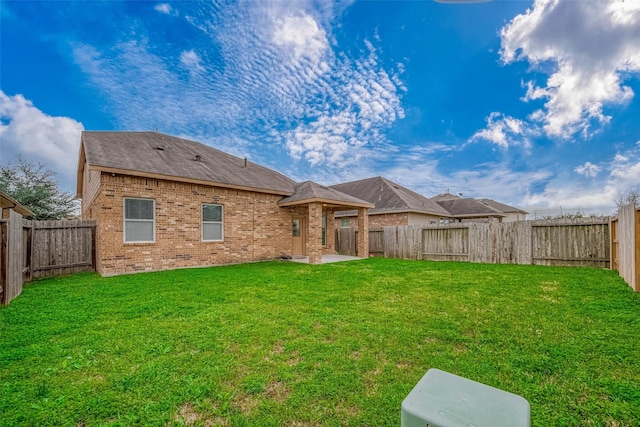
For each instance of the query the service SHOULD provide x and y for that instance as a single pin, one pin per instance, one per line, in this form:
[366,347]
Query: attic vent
[198,157]
[160,148]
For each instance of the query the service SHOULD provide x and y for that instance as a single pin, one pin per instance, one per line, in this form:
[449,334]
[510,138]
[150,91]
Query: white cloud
[273,66]
[164,8]
[625,172]
[619,175]
[592,47]
[191,60]
[301,36]
[588,169]
[504,131]
[53,141]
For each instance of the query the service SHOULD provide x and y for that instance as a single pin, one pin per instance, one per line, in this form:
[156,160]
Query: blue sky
[534,104]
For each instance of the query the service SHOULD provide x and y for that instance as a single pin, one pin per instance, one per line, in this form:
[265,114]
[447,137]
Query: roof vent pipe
[198,157]
[245,162]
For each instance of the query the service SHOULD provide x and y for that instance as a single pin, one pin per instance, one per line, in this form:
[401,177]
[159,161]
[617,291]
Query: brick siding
[379,220]
[255,227]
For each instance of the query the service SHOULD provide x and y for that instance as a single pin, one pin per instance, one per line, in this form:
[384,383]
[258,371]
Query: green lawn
[285,344]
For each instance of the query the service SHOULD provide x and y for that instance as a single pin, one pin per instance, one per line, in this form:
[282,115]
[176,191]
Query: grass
[274,344]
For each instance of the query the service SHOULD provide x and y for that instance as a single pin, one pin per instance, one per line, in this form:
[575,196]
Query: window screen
[139,220]
[212,222]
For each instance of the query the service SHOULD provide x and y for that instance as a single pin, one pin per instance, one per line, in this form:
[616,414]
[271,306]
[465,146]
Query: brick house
[394,204]
[469,209]
[162,202]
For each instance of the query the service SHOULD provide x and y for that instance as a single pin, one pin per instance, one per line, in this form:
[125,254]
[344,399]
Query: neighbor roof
[468,208]
[309,191]
[156,155]
[502,207]
[389,197]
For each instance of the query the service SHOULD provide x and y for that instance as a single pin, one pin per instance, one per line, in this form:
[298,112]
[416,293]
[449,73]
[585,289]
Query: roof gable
[309,191]
[388,197]
[173,158]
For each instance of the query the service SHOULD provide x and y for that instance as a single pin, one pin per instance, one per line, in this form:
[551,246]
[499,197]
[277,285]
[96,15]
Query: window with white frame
[139,220]
[212,230]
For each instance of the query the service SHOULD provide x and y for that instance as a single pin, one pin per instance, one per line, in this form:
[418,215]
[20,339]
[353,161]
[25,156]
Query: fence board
[3,257]
[515,243]
[376,241]
[571,243]
[33,249]
[390,242]
[568,242]
[62,247]
[410,242]
[14,258]
[446,243]
[626,241]
[482,242]
[346,241]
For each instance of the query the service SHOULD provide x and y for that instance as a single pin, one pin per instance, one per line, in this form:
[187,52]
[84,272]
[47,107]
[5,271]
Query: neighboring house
[512,214]
[8,203]
[394,204]
[469,209]
[162,202]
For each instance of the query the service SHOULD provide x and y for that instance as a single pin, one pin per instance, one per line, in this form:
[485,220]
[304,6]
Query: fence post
[3,261]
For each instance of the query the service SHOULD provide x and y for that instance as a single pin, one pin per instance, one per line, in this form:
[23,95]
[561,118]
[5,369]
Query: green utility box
[441,399]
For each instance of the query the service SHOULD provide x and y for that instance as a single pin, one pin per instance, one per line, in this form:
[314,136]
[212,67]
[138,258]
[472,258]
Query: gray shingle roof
[388,197]
[310,191]
[464,208]
[502,207]
[143,153]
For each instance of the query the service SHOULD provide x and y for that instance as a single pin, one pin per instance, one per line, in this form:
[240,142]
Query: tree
[35,187]
[632,197]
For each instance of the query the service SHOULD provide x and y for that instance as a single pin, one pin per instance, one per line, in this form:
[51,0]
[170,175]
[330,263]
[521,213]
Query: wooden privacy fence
[625,245]
[347,241]
[35,249]
[569,242]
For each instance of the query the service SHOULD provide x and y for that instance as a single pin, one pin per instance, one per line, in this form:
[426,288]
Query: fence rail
[35,249]
[574,242]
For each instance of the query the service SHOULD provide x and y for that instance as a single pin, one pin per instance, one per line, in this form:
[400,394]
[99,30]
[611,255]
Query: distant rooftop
[389,197]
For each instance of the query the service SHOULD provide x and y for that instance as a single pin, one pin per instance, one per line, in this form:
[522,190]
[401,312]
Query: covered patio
[312,208]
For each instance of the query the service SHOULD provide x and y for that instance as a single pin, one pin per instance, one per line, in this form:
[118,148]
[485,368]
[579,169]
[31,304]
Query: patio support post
[314,250]
[363,232]
[330,237]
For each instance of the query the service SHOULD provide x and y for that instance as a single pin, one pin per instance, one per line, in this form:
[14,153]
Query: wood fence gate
[35,249]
